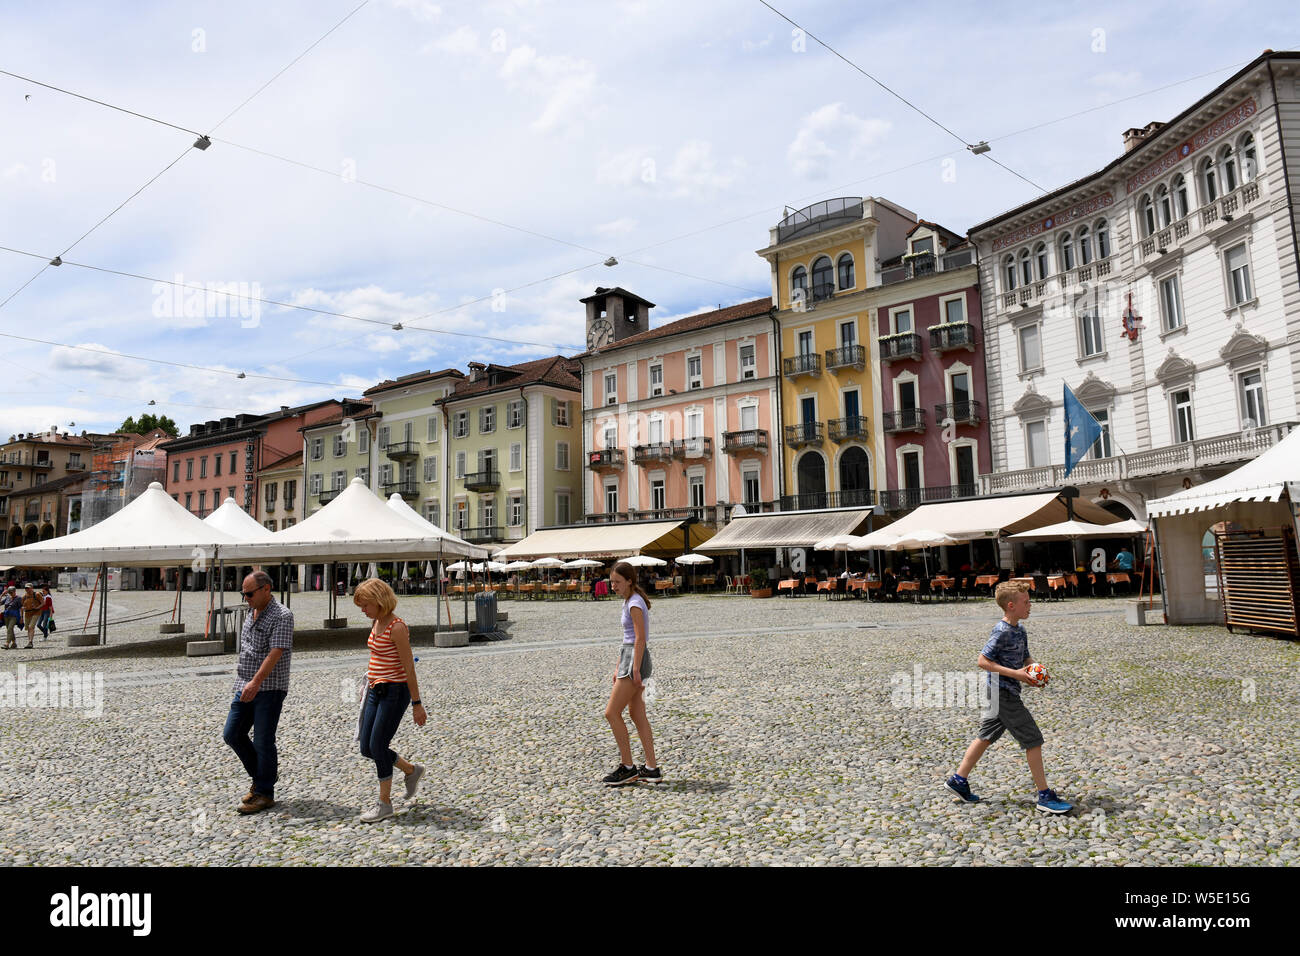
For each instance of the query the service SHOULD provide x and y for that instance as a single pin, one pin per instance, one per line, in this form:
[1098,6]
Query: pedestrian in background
[13,615]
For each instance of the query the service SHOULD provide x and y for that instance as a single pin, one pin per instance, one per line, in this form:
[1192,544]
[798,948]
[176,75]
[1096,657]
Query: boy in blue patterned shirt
[1006,654]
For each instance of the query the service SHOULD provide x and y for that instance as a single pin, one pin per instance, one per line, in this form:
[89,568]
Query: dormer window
[923,245]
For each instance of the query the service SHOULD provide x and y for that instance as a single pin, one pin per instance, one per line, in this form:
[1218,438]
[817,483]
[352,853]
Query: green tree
[148,422]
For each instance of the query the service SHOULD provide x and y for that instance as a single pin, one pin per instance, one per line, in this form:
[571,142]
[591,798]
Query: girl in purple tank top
[633,670]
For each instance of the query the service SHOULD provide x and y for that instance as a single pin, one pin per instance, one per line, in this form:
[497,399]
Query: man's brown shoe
[259,803]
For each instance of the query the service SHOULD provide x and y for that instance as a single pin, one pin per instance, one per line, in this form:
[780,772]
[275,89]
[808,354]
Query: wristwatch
[416,703]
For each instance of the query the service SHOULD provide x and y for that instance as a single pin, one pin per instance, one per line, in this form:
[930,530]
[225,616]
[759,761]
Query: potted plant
[758,584]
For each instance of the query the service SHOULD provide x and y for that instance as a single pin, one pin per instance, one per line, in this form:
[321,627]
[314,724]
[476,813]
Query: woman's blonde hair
[373,589]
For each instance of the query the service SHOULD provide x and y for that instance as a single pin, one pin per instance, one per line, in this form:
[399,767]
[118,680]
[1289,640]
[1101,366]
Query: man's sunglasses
[249,594]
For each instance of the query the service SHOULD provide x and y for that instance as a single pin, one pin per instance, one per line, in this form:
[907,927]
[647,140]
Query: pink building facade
[682,421]
[934,405]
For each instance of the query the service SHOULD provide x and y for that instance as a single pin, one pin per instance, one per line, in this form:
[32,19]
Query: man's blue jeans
[259,756]
[386,704]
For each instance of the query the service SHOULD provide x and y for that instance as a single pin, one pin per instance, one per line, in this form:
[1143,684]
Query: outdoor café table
[1119,577]
[1055,581]
[942,583]
[709,580]
[828,586]
[988,580]
[1029,581]
[789,584]
[664,586]
[913,586]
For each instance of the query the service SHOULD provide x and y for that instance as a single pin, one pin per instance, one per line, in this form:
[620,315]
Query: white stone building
[1196,222]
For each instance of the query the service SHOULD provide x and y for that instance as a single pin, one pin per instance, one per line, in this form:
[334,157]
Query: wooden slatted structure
[1259,578]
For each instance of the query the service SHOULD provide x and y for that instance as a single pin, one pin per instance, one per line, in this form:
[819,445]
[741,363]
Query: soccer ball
[1038,672]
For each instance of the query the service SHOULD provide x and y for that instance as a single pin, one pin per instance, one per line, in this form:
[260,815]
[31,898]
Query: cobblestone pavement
[775,724]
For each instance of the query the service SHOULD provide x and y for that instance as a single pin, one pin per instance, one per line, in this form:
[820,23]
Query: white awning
[355,526]
[238,523]
[786,529]
[976,518]
[152,531]
[1261,479]
[614,540]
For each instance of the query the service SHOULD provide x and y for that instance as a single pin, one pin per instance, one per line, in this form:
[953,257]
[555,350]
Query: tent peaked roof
[355,526]
[237,523]
[1262,479]
[972,518]
[151,531]
[455,545]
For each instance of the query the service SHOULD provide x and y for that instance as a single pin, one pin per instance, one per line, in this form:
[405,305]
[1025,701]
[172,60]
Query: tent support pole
[103,603]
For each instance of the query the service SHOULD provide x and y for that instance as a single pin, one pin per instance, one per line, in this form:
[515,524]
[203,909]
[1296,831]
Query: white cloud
[626,167]
[463,41]
[568,85]
[829,133]
[694,171]
[13,171]
[420,10]
[93,357]
[617,227]
[383,343]
[749,46]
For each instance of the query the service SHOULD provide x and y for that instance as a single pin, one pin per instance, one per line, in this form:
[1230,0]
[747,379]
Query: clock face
[600,334]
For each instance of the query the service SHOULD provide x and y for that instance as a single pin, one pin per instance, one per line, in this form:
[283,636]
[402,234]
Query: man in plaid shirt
[260,687]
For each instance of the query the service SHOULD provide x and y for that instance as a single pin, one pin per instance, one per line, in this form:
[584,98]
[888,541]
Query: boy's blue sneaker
[1049,802]
[961,788]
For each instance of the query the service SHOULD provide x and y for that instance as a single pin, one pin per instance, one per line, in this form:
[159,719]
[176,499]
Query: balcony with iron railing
[654,452]
[326,495]
[407,489]
[819,217]
[606,458]
[903,345]
[32,514]
[850,427]
[1212,215]
[805,363]
[745,441]
[905,499]
[1032,293]
[804,433]
[904,420]
[846,356]
[961,413]
[689,449]
[952,335]
[76,466]
[487,480]
[482,533]
[926,265]
[1186,456]
[402,450]
[809,501]
[42,463]
[823,291]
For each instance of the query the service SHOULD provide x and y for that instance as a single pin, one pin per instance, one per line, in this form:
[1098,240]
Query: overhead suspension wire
[978,149]
[202,143]
[386,323]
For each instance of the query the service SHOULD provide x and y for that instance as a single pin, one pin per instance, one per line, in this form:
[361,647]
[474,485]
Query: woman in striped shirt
[392,685]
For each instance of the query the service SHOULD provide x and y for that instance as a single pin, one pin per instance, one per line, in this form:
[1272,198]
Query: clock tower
[613,315]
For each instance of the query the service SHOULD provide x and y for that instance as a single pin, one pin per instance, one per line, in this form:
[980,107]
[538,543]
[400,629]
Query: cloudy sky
[466,167]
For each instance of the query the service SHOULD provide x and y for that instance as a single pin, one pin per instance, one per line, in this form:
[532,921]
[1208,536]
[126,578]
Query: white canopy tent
[455,546]
[238,523]
[1262,493]
[153,531]
[1069,530]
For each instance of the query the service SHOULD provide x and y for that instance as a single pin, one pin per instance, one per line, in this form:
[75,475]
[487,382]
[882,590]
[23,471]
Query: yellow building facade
[824,263]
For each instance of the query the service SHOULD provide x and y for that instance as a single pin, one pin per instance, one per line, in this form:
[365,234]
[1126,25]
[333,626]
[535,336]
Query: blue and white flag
[1081,431]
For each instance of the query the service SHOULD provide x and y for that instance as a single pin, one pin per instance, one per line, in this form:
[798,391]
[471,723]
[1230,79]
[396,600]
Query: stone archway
[811,476]
[47,532]
[855,477]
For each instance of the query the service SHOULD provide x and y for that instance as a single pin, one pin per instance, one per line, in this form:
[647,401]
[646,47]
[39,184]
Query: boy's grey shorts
[1011,715]
[625,659]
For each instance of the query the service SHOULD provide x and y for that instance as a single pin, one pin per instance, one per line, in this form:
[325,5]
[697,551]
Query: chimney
[475,370]
[1135,137]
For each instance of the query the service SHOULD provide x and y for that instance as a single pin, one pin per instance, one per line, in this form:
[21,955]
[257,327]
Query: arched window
[1147,214]
[1085,246]
[1067,253]
[1009,272]
[1246,147]
[1228,169]
[1026,270]
[1103,239]
[1209,179]
[821,278]
[845,266]
[1181,206]
[1040,258]
[1164,206]
[799,281]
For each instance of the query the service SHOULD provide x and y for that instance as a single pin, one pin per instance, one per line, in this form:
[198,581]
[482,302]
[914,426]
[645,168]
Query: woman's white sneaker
[379,811]
[413,780]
